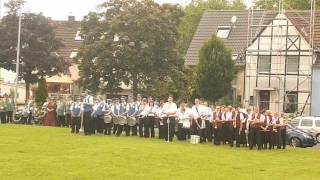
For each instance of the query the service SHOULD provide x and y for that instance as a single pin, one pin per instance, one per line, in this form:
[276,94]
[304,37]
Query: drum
[107,119]
[116,120]
[132,121]
[195,139]
[122,120]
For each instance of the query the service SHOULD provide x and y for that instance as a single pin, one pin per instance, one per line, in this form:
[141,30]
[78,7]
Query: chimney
[71,18]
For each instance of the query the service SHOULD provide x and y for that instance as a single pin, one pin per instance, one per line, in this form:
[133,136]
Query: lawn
[32,152]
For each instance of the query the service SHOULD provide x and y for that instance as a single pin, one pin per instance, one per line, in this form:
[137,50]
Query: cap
[123,98]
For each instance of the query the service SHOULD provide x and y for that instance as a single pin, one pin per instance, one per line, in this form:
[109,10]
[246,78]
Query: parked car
[299,138]
[308,124]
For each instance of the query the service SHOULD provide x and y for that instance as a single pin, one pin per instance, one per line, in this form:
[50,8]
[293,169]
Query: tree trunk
[135,88]
[27,90]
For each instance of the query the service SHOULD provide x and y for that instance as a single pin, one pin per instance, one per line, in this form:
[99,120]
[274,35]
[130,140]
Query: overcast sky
[60,9]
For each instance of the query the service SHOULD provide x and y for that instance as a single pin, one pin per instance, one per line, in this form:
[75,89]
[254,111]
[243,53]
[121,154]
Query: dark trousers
[255,138]
[282,138]
[264,139]
[217,132]
[141,125]
[169,129]
[237,136]
[75,124]
[115,128]
[194,129]
[119,129]
[161,131]
[209,131]
[99,124]
[87,123]
[227,133]
[29,119]
[183,133]
[243,138]
[3,117]
[107,128]
[68,120]
[272,139]
[149,126]
[61,120]
[9,116]
[130,129]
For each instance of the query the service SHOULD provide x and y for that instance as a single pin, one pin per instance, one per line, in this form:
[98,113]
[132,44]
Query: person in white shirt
[196,120]
[150,114]
[184,116]
[142,112]
[75,110]
[169,109]
[160,116]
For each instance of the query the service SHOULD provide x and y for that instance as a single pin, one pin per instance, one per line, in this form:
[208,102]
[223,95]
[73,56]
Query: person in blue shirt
[98,114]
[75,110]
[87,109]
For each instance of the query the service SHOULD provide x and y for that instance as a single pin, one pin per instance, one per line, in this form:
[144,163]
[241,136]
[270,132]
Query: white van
[308,124]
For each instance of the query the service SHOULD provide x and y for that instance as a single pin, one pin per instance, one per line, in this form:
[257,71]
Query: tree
[193,13]
[215,70]
[42,92]
[38,45]
[287,4]
[131,42]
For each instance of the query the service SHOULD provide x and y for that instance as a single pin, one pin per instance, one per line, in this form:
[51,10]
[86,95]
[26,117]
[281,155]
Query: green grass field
[32,152]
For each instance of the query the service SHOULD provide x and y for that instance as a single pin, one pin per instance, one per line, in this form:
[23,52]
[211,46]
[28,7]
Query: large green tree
[215,71]
[131,42]
[39,45]
[287,4]
[193,13]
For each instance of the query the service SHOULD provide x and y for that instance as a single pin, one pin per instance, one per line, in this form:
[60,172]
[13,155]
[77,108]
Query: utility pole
[18,60]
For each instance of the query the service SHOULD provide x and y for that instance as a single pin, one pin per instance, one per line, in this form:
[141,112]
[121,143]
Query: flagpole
[18,60]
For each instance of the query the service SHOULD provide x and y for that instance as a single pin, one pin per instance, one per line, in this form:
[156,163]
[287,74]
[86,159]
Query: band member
[115,114]
[141,104]
[132,110]
[255,135]
[29,110]
[238,119]
[184,116]
[122,116]
[10,108]
[170,109]
[75,110]
[87,107]
[217,125]
[68,112]
[208,128]
[98,115]
[268,137]
[3,110]
[281,132]
[197,111]
[227,126]
[159,118]
[149,119]
[107,111]
[61,110]
[244,127]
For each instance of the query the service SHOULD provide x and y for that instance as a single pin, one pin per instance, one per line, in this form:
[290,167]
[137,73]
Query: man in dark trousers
[87,111]
[170,109]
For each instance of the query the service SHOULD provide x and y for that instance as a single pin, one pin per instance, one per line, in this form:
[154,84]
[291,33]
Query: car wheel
[318,138]
[295,142]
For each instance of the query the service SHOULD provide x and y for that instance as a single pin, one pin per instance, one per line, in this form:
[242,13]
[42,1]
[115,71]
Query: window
[223,32]
[73,54]
[251,101]
[307,122]
[78,37]
[291,102]
[234,57]
[264,64]
[292,66]
[317,121]
[295,122]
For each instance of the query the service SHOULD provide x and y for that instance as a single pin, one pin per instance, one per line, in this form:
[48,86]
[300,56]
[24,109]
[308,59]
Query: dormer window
[223,32]
[78,37]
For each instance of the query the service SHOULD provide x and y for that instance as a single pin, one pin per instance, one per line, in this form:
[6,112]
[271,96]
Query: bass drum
[107,119]
[122,120]
[132,121]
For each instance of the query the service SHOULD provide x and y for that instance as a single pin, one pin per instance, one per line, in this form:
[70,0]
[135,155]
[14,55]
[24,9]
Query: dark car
[299,138]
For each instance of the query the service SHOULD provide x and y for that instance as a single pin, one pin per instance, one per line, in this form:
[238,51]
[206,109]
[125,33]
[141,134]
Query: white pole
[18,60]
